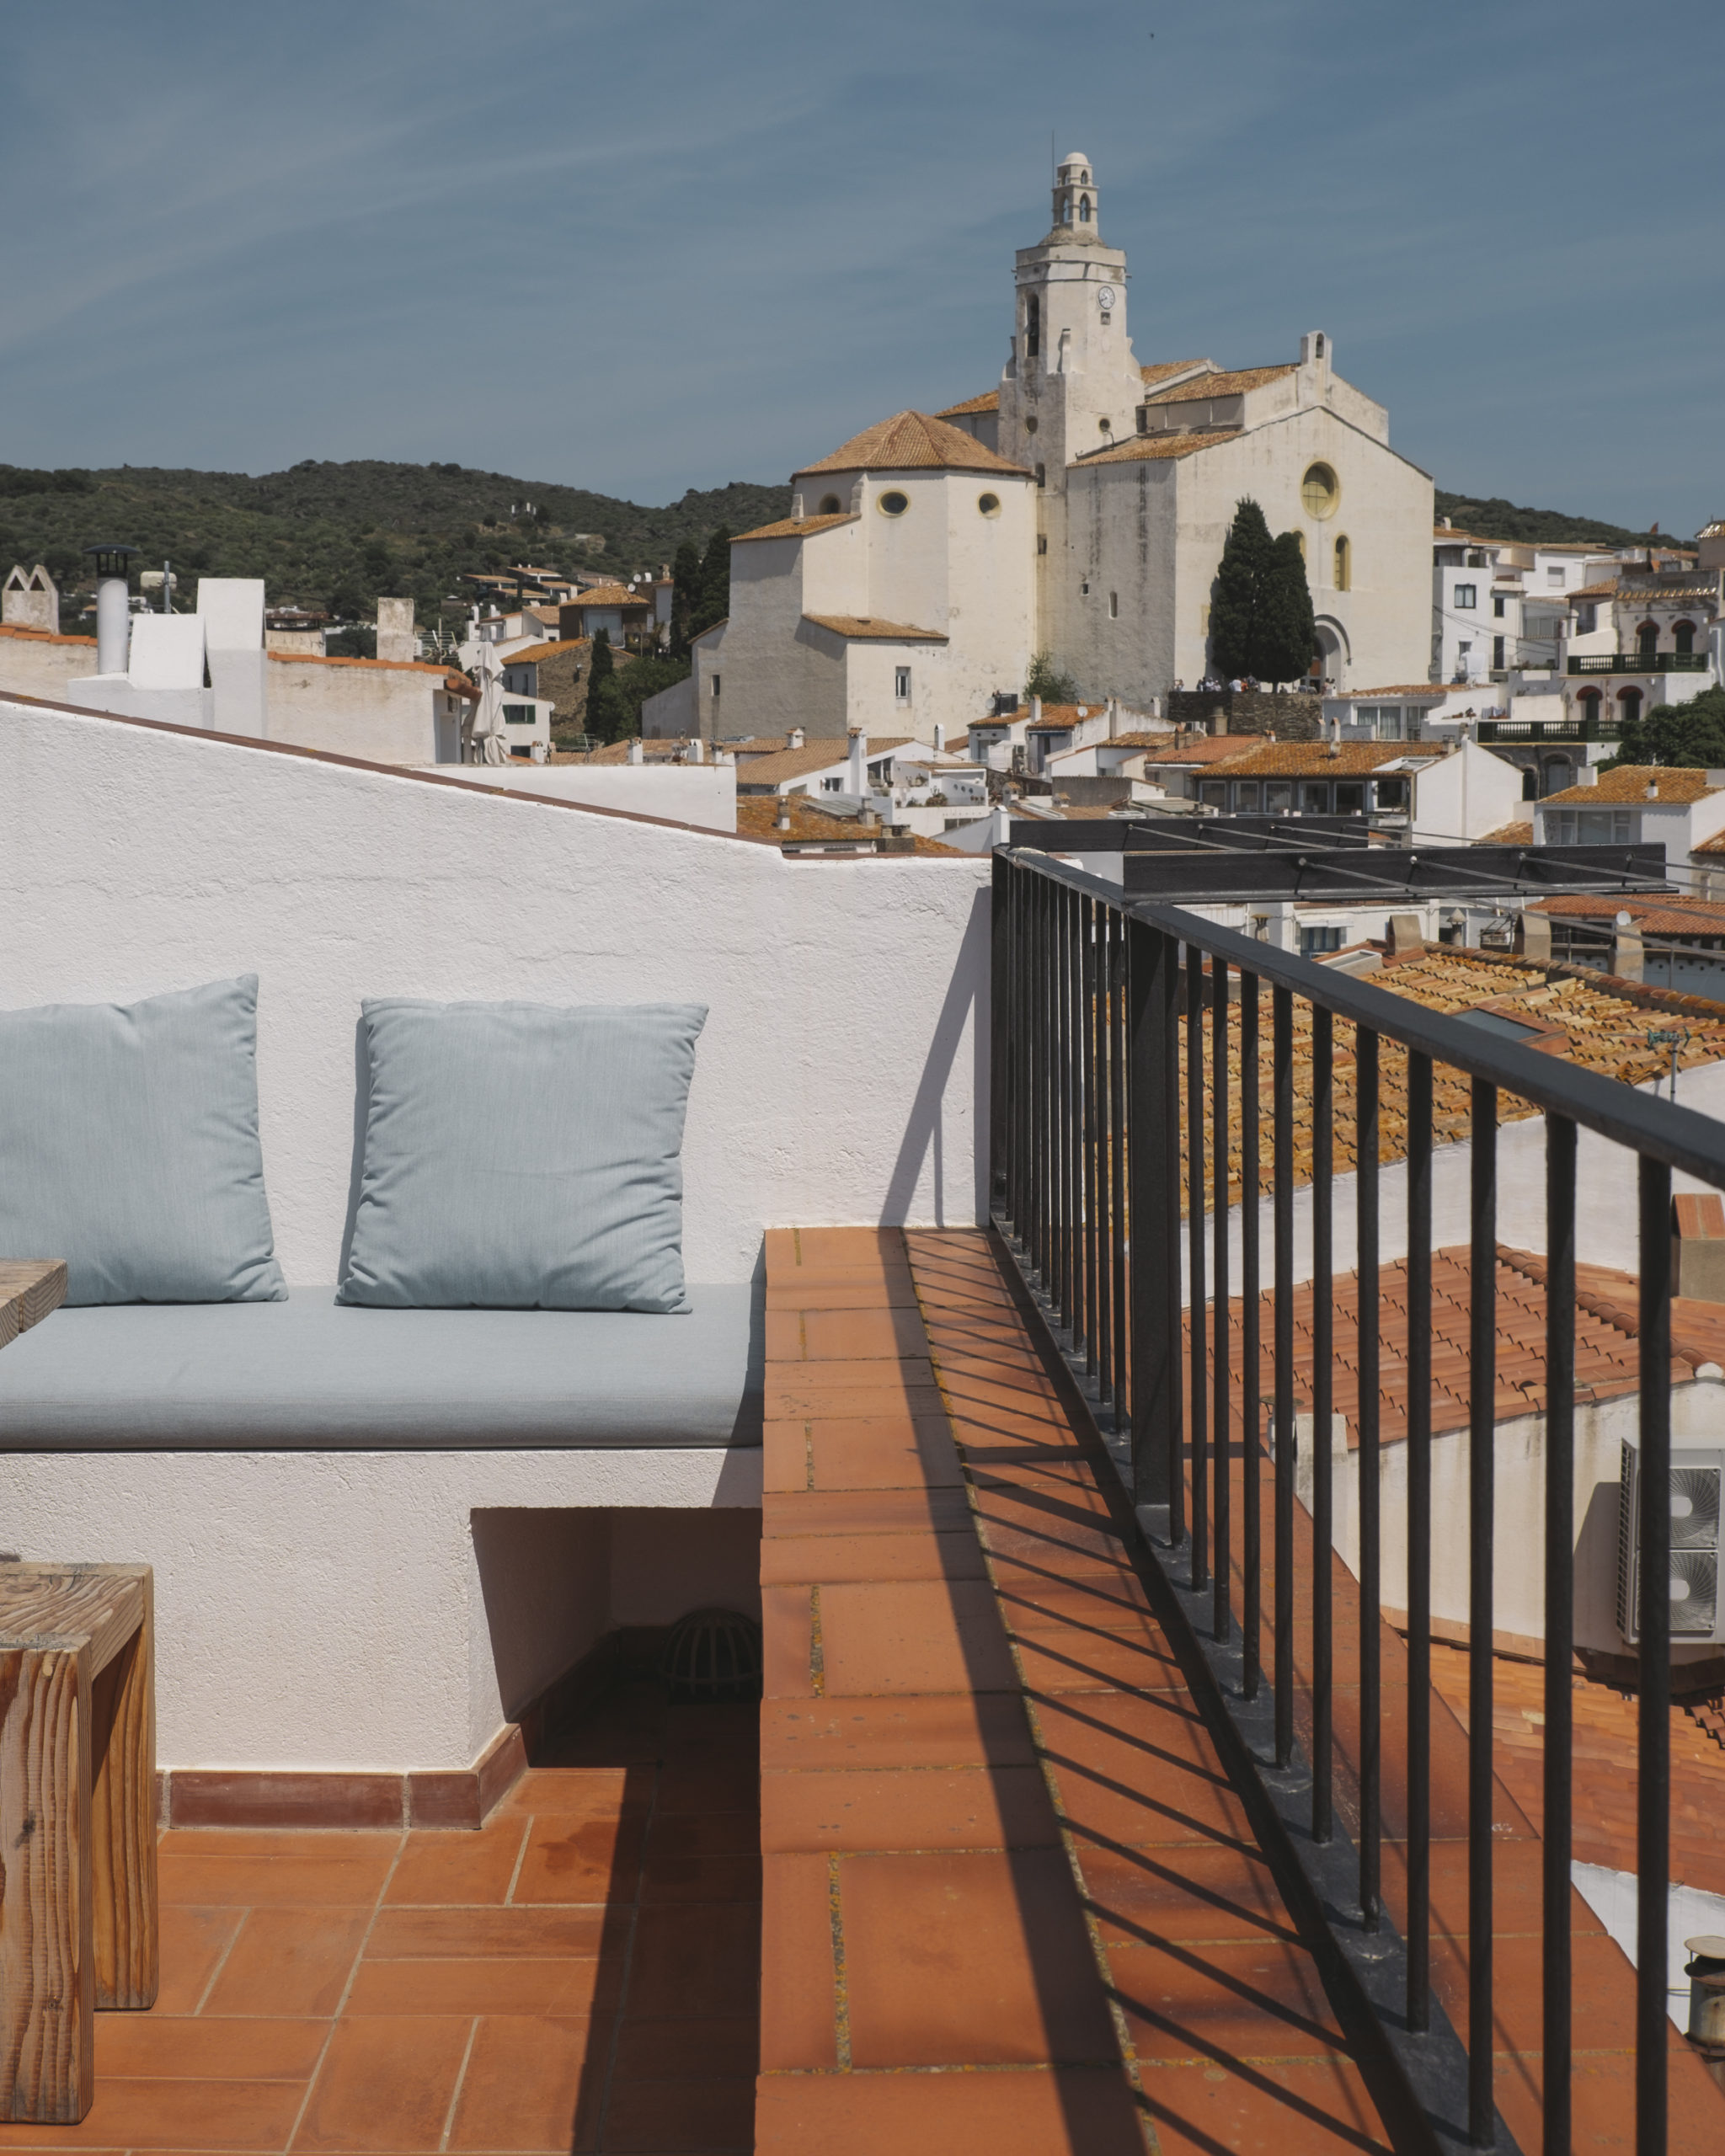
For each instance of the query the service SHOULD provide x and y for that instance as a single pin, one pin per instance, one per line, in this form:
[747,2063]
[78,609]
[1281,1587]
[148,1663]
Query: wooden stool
[77,1823]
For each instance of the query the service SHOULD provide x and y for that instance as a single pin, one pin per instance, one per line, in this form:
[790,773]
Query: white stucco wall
[42,665]
[134,861]
[385,714]
[701,794]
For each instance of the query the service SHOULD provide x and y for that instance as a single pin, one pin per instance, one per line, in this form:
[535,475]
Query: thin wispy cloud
[647,251]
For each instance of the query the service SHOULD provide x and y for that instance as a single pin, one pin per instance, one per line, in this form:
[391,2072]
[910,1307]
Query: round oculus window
[989,504]
[1320,490]
[893,502]
[1030,425]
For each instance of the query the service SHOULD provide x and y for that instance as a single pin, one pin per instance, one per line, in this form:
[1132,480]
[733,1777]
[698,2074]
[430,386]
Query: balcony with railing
[1101,1785]
[1638,662]
[1537,730]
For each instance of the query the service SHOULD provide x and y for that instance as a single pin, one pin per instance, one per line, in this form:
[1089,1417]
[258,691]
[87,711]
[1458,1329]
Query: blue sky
[641,249]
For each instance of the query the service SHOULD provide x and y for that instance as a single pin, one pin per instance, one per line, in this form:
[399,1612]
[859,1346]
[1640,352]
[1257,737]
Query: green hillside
[1497,519]
[333,537]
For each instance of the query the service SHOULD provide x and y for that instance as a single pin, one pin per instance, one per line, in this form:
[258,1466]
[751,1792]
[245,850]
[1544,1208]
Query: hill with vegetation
[333,537]
[1497,519]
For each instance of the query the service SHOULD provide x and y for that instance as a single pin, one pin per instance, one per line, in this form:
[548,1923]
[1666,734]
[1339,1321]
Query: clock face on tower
[1105,297]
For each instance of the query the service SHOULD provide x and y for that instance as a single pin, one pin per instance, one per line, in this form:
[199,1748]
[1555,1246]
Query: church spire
[1078,204]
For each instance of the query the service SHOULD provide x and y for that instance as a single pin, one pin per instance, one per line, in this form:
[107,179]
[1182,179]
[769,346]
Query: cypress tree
[686,592]
[1287,635]
[1238,595]
[601,670]
[715,600]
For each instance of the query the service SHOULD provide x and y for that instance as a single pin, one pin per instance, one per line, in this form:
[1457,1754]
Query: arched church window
[1084,209]
[1628,703]
[1030,424]
[1588,702]
[1683,636]
[1344,566]
[830,505]
[1320,490]
[1032,327]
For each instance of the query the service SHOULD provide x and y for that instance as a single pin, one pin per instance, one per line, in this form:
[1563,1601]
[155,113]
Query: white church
[1081,508]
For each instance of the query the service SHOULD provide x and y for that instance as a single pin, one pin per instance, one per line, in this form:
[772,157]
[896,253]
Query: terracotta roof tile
[912,441]
[1162,370]
[41,636]
[609,595]
[818,755]
[1427,692]
[990,401]
[1333,760]
[812,826]
[796,527]
[1151,449]
[534,652]
[1219,385]
[868,630]
[1660,917]
[1630,784]
[1508,835]
[1206,748]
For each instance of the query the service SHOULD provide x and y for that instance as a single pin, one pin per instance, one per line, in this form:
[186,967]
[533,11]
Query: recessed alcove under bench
[380,1536]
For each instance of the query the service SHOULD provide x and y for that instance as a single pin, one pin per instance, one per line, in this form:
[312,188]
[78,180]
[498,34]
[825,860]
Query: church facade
[1079,508]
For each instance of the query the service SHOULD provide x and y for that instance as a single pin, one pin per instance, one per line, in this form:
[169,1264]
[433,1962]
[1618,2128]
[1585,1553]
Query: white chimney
[693,753]
[794,739]
[113,607]
[940,739]
[1036,710]
[796,509]
[857,782]
[637,754]
[1113,717]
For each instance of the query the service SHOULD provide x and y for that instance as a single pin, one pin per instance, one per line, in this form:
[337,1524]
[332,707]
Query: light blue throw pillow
[129,1147]
[523,1157]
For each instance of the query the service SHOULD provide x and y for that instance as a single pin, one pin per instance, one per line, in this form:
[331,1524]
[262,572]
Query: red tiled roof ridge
[912,441]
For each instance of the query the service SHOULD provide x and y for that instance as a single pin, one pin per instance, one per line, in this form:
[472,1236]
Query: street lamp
[113,605]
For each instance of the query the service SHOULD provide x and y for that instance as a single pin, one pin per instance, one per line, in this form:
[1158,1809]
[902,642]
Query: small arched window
[1032,327]
[1318,348]
[1646,637]
[1628,704]
[1344,566]
[1589,700]
[1042,475]
[1683,636]
[1084,209]
[830,505]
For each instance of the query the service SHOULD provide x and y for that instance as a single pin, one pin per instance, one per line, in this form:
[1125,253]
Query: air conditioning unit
[1697,1477]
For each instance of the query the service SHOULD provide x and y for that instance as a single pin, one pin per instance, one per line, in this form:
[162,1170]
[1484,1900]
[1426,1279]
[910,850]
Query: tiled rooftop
[1631,781]
[1221,385]
[912,441]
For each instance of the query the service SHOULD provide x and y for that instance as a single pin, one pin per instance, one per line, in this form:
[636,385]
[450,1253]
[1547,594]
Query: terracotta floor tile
[1261,2000]
[592,1792]
[338,1870]
[230,2115]
[193,1942]
[867,1511]
[798,2001]
[928,1808]
[289,1961]
[1288,2109]
[787,1560]
[1183,1894]
[1083,1658]
[543,1984]
[386,2084]
[650,2117]
[458,1867]
[840,1377]
[573,1859]
[510,1934]
[857,1334]
[697,1787]
[1069,2112]
[1138,1787]
[913,1636]
[523,2084]
[649,2050]
[892,1290]
[203,2047]
[955,1730]
[890,1452]
[680,1969]
[1034,1599]
[787,1642]
[970,1960]
[716,1877]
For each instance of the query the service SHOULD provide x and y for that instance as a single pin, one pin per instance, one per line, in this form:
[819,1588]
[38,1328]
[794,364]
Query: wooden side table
[77,1799]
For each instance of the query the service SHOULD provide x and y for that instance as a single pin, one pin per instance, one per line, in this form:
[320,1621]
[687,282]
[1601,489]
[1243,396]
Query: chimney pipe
[796,739]
[112,607]
[940,739]
[857,782]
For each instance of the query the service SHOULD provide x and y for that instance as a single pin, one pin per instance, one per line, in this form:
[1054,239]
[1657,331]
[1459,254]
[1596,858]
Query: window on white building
[901,684]
[1382,721]
[1589,827]
[1500,606]
[1314,941]
[518,714]
[1555,578]
[715,684]
[1466,596]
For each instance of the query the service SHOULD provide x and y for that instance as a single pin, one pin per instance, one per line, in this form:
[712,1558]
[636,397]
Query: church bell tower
[1071,384]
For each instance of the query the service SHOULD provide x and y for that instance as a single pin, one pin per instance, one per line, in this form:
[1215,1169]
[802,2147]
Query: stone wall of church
[1293,717]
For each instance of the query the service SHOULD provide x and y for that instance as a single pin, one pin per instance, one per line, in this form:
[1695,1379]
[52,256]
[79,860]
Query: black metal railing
[1548,729]
[1638,662]
[1091,1142]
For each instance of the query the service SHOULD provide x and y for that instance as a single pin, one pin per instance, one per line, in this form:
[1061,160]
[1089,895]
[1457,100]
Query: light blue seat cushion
[522,1156]
[310,1374]
[129,1147]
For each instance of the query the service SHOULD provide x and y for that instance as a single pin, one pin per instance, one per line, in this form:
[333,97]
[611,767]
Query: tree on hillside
[601,671]
[627,690]
[1046,680]
[685,592]
[1238,594]
[1287,634]
[714,602]
[1689,736]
